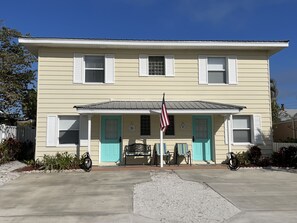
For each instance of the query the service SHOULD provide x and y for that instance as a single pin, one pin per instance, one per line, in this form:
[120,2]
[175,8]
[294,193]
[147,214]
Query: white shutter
[257,129]
[169,65]
[232,70]
[51,130]
[83,130]
[109,68]
[143,65]
[203,77]
[78,68]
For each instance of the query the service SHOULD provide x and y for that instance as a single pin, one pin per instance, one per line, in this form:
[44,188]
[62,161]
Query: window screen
[217,70]
[145,125]
[156,65]
[68,130]
[94,69]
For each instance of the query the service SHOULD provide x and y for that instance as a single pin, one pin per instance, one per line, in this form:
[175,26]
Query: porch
[107,127]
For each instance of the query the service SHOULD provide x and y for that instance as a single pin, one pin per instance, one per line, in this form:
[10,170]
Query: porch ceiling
[149,107]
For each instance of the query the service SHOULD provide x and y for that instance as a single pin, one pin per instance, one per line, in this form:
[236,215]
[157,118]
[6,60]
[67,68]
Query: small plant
[254,154]
[243,158]
[60,161]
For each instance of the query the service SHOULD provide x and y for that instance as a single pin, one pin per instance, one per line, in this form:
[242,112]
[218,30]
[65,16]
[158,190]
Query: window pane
[156,65]
[145,125]
[111,129]
[68,122]
[241,122]
[170,128]
[96,76]
[242,135]
[68,137]
[94,62]
[218,77]
[216,63]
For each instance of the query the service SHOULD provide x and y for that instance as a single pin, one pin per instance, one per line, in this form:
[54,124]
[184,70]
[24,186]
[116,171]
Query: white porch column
[161,148]
[89,133]
[229,133]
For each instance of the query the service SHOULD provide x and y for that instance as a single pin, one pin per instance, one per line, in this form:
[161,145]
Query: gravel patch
[6,174]
[168,198]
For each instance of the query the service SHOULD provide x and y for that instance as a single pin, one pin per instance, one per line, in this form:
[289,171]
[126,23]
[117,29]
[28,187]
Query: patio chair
[157,152]
[181,150]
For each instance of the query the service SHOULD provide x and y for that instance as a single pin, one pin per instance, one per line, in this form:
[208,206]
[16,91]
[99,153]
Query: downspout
[229,133]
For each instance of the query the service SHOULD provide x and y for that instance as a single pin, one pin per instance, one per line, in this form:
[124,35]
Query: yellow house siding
[57,94]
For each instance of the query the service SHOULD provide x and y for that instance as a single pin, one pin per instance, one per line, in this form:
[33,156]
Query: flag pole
[161,148]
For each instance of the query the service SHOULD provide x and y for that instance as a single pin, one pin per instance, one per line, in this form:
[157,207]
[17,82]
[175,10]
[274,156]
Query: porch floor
[158,168]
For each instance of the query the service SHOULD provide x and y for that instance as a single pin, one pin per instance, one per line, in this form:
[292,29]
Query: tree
[274,106]
[16,73]
[29,104]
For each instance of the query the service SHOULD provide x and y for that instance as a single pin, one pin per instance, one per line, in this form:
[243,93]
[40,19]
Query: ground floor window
[145,125]
[170,128]
[68,129]
[242,129]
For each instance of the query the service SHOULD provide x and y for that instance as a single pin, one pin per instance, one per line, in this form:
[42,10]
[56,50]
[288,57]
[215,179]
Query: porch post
[229,133]
[161,148]
[89,133]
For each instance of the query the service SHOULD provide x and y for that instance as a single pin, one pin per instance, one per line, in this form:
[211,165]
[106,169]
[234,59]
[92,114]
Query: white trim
[89,133]
[145,111]
[60,42]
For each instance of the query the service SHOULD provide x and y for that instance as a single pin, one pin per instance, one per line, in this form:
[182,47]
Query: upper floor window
[156,65]
[217,70]
[94,69]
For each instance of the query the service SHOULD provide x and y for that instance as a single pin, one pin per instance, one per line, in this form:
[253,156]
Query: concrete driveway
[262,195]
[71,197]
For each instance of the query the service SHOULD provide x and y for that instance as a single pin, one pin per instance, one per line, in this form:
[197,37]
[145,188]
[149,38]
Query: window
[145,125]
[241,129]
[68,130]
[156,65]
[216,70]
[94,69]
[170,128]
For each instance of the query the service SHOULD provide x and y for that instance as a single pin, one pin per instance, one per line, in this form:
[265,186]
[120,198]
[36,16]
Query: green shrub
[9,150]
[60,161]
[254,154]
[243,158]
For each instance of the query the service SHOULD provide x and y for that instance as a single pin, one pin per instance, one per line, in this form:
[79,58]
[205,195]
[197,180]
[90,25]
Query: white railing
[278,145]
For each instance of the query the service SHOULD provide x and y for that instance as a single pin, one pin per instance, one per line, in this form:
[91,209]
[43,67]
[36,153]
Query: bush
[60,161]
[26,151]
[9,150]
[243,158]
[254,154]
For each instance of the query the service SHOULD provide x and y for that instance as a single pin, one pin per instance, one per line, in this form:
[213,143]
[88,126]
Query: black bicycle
[87,162]
[232,161]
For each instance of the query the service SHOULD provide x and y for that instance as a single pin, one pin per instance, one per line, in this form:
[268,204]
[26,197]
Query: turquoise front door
[111,137]
[202,138]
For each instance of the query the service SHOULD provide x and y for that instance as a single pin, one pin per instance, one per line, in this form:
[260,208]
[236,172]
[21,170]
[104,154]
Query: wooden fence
[21,133]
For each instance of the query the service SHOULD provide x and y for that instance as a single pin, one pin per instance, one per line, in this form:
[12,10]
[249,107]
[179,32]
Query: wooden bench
[137,149]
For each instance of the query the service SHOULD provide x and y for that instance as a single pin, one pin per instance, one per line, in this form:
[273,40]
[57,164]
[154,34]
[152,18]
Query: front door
[202,138]
[111,138]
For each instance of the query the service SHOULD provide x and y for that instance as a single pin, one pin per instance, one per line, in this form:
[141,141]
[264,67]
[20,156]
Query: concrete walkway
[262,195]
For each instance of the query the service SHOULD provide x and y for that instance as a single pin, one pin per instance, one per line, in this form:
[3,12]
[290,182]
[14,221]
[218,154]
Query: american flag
[164,120]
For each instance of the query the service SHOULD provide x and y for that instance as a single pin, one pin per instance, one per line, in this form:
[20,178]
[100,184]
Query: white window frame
[84,68]
[250,129]
[58,131]
[225,70]
[169,65]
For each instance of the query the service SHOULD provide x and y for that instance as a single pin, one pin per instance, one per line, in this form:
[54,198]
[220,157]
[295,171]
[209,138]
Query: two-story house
[99,95]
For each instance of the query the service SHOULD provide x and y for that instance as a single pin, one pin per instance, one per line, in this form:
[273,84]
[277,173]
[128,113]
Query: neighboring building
[100,95]
[285,129]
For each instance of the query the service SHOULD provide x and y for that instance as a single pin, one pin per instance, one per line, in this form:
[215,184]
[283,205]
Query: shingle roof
[149,105]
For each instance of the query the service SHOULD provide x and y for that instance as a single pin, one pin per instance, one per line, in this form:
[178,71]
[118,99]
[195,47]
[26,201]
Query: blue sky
[168,19]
